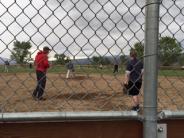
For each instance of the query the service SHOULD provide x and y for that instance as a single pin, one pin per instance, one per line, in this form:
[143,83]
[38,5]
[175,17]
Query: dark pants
[134,88]
[41,82]
[115,68]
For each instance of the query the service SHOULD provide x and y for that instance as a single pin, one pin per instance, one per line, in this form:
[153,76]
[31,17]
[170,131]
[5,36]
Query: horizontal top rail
[166,114]
[69,116]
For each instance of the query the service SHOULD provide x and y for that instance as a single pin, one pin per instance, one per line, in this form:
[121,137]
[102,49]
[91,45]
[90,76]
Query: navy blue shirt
[135,66]
[70,65]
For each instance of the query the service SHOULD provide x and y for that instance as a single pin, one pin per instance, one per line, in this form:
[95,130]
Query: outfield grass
[61,69]
[177,73]
[88,70]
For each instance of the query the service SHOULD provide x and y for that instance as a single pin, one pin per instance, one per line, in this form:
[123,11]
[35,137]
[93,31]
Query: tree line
[170,52]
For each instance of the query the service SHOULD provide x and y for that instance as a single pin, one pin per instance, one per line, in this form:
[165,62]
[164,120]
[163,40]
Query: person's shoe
[34,97]
[136,108]
[133,108]
[41,99]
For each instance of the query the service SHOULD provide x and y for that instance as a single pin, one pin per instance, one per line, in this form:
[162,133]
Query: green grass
[88,70]
[62,69]
[177,73]
[17,69]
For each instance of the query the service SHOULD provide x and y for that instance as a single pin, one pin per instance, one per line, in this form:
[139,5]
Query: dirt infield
[83,93]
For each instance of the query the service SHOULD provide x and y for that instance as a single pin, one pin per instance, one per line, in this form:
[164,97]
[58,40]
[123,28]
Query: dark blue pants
[41,82]
[115,68]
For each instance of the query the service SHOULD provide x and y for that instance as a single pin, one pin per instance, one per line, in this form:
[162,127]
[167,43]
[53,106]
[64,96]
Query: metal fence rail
[150,68]
[167,114]
[70,116]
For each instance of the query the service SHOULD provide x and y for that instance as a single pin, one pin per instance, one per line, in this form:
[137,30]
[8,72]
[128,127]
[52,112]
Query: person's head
[46,50]
[133,54]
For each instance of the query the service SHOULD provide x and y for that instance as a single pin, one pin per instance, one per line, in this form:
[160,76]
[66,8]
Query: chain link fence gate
[170,86]
[83,30]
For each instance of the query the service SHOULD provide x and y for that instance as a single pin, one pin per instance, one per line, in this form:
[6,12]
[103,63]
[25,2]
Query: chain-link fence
[170,87]
[96,35]
[80,30]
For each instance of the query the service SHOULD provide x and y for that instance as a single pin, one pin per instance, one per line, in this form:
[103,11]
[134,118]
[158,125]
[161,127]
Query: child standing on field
[70,69]
[6,66]
[133,78]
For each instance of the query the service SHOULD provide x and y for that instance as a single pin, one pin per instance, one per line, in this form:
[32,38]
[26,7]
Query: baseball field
[92,89]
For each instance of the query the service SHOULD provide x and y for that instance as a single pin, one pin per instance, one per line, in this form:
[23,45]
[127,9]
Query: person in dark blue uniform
[6,66]
[70,69]
[115,68]
[133,78]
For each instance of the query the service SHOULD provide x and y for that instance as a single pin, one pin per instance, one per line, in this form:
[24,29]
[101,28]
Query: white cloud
[113,25]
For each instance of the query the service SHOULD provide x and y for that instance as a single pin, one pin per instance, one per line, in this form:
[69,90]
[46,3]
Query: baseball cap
[46,48]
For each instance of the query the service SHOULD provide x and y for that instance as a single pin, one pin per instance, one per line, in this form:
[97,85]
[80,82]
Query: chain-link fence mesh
[96,35]
[170,87]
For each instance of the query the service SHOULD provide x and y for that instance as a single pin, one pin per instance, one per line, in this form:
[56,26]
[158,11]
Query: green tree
[61,59]
[139,48]
[100,60]
[181,59]
[20,51]
[123,59]
[106,61]
[95,60]
[170,50]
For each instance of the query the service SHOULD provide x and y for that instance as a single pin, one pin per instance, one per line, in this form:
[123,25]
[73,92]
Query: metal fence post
[150,68]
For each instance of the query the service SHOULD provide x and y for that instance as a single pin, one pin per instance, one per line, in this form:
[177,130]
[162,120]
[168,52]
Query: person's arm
[127,73]
[127,77]
[142,70]
[35,62]
[46,62]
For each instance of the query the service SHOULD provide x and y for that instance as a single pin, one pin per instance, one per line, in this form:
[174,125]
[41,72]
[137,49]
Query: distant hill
[2,60]
[85,61]
[82,61]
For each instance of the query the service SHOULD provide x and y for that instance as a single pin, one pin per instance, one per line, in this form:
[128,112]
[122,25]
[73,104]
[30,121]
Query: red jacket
[41,61]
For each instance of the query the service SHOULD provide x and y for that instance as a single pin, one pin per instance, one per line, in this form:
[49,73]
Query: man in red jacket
[42,64]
